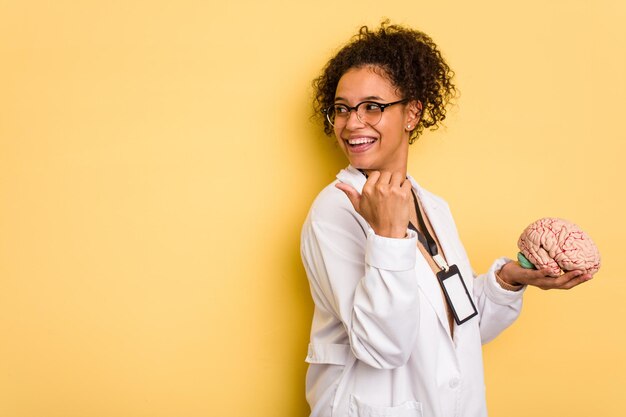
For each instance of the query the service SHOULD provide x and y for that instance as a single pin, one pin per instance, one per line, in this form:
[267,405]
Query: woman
[399,317]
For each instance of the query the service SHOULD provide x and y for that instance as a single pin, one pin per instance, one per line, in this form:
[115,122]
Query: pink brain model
[560,246]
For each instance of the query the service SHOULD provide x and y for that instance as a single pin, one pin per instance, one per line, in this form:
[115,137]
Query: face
[385,146]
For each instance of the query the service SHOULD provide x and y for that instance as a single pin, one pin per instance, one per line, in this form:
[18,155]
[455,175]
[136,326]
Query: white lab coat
[380,339]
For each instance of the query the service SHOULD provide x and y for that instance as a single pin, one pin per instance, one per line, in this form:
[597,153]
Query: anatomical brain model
[558,245]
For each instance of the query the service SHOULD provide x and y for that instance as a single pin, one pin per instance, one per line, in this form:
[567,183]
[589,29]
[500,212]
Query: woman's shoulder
[332,218]
[330,204]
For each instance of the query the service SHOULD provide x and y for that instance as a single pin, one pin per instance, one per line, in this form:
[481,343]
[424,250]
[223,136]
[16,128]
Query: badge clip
[441,263]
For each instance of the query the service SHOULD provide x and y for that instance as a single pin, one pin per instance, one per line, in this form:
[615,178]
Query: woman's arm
[364,280]
[498,308]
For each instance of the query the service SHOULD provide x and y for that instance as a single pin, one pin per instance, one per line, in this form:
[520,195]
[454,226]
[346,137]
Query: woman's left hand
[512,273]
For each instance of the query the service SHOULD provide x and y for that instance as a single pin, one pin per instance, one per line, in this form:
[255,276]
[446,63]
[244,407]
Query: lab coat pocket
[407,409]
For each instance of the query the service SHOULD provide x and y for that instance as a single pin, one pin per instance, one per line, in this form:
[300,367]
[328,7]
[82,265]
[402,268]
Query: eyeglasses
[368,112]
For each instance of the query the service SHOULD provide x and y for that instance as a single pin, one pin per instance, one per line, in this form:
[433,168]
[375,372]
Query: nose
[354,122]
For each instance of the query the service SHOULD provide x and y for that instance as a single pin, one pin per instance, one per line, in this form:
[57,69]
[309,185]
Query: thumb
[352,194]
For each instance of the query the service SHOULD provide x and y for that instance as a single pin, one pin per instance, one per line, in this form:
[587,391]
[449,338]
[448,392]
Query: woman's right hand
[385,202]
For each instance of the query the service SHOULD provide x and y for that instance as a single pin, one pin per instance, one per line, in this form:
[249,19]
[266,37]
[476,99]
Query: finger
[546,272]
[383,186]
[541,278]
[571,279]
[352,194]
[407,187]
[397,179]
[528,276]
[575,282]
[385,178]
[566,281]
[372,179]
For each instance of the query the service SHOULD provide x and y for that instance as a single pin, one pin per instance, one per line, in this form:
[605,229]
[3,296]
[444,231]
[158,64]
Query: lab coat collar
[352,176]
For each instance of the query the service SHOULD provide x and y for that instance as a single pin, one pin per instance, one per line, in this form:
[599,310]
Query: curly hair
[411,61]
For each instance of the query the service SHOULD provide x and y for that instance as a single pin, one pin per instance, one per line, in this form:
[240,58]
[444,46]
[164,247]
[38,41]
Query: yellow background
[157,160]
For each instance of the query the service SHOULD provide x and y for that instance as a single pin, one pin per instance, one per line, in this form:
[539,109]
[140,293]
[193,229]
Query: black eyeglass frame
[382,106]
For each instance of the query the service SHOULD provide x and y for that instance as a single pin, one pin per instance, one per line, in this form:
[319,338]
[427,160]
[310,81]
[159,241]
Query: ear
[413,114]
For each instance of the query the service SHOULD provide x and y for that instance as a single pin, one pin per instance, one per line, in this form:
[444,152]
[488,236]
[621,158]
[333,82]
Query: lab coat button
[454,382]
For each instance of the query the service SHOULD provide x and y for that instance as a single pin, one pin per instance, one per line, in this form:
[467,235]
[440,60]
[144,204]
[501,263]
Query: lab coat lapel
[436,214]
[431,287]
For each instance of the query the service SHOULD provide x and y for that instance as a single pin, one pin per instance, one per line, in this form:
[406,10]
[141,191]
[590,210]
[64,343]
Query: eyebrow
[364,99]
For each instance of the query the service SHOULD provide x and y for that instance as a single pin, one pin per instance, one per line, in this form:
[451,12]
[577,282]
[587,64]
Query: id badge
[456,293]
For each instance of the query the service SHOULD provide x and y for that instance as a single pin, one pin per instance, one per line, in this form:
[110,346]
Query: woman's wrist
[507,282]
[393,233]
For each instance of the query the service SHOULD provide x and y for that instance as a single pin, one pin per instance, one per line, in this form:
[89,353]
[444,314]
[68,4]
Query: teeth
[359,141]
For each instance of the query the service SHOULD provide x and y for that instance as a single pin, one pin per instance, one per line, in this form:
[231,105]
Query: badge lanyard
[450,279]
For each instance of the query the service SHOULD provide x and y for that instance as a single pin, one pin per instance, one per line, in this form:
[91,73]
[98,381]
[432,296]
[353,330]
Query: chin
[361,163]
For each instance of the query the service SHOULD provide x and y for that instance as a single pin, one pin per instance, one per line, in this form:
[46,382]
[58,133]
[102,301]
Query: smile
[360,141]
[360,144]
